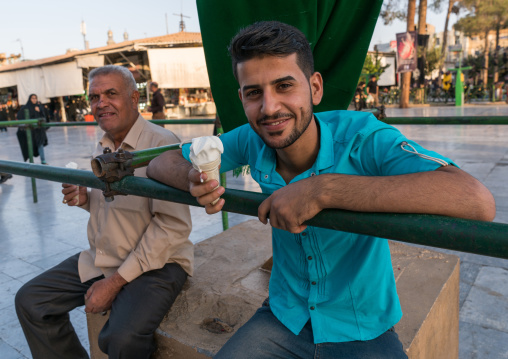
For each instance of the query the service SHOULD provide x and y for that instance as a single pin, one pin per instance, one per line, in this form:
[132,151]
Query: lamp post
[459,86]
[22,51]
[83,32]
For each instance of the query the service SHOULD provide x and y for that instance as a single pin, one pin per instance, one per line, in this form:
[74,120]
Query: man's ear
[240,94]
[135,99]
[316,88]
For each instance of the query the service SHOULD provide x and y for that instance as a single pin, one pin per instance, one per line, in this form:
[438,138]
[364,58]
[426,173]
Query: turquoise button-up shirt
[342,282]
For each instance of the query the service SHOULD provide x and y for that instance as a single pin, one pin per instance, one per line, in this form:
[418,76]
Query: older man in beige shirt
[139,255]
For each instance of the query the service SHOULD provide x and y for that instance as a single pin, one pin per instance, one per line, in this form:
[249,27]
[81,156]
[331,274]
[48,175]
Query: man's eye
[253,93]
[284,86]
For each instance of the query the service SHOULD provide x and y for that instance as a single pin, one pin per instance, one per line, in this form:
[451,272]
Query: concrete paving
[34,237]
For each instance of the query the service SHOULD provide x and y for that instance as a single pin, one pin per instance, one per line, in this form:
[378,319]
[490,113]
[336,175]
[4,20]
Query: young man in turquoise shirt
[332,294]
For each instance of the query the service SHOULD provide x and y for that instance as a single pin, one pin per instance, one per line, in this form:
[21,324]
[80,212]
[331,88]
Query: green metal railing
[28,125]
[141,158]
[477,237]
[19,123]
[447,120]
[188,121]
[436,120]
[223,183]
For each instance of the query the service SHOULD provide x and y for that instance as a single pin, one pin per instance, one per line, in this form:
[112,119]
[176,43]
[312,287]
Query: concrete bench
[229,285]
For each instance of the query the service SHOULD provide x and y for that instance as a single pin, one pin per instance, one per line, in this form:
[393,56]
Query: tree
[452,8]
[476,63]
[406,76]
[475,23]
[484,16]
[497,10]
[422,30]
[390,11]
[372,65]
[433,60]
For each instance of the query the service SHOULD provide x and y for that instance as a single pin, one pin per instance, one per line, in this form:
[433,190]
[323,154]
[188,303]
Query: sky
[46,28]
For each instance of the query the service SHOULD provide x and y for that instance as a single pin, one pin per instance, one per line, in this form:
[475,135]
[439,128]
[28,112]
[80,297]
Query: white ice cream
[205,149]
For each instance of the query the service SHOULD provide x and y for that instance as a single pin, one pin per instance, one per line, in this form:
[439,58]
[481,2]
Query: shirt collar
[326,155]
[131,140]
[267,158]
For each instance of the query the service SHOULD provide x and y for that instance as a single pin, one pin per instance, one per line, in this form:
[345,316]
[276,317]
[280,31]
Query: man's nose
[271,103]
[103,101]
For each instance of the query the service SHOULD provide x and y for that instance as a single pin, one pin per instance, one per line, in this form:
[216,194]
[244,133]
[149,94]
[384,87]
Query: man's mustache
[274,117]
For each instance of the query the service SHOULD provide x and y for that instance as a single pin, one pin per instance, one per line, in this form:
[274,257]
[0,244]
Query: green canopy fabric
[339,32]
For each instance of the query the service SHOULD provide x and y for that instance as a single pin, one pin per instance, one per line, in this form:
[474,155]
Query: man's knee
[24,300]
[126,343]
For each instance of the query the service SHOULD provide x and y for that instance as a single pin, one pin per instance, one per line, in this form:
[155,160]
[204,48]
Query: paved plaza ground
[34,237]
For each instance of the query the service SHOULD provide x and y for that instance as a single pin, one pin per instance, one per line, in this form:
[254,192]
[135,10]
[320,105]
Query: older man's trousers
[43,305]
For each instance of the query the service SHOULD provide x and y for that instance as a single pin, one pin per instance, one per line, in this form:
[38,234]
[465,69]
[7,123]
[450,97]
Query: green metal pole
[436,120]
[143,157]
[484,238]
[223,183]
[448,120]
[189,121]
[29,143]
[18,123]
[459,89]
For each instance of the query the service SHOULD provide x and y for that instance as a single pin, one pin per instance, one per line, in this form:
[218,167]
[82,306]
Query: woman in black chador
[36,111]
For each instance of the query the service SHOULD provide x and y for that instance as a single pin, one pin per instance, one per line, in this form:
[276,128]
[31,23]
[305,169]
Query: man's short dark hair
[271,38]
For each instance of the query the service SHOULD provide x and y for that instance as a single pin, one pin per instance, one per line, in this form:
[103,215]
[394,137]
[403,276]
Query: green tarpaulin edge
[339,32]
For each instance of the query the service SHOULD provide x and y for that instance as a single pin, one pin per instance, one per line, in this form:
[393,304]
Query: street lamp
[83,32]
[459,89]
[22,52]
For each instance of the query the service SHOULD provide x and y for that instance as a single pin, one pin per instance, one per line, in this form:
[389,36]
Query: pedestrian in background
[39,138]
[4,177]
[360,97]
[157,104]
[372,90]
[3,116]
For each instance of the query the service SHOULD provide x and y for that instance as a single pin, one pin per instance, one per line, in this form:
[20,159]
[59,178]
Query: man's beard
[295,134]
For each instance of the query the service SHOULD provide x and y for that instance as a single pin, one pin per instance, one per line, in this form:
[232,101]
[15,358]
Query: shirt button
[266,176]
[313,283]
[312,308]
[304,234]
[309,258]
[312,174]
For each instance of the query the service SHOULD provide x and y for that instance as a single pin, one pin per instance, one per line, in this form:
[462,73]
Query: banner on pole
[406,51]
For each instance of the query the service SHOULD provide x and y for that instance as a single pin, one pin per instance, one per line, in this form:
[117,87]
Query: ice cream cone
[212,171]
[205,155]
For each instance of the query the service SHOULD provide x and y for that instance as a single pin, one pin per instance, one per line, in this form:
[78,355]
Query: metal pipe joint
[112,167]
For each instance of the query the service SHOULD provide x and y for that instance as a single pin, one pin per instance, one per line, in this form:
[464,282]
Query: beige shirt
[135,234]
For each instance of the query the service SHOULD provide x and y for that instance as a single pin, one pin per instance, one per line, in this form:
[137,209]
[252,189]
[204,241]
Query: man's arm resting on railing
[174,170]
[447,191]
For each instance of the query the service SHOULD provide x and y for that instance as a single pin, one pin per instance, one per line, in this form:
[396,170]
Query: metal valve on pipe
[112,167]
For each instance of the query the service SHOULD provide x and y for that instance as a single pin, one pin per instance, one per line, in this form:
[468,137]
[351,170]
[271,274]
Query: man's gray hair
[128,79]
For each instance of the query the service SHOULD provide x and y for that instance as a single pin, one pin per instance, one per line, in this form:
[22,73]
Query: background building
[176,61]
